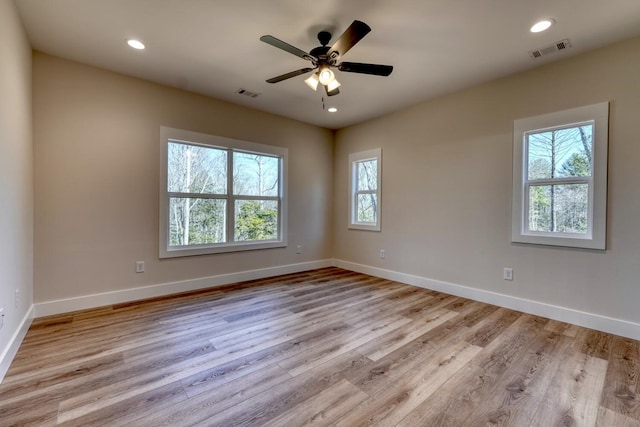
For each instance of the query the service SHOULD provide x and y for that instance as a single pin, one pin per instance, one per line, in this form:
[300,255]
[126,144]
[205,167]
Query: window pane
[196,169]
[559,208]
[367,175]
[366,208]
[196,221]
[256,220]
[559,153]
[255,175]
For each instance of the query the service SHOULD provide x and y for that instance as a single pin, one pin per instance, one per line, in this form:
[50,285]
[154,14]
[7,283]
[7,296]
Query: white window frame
[595,237]
[354,158]
[167,135]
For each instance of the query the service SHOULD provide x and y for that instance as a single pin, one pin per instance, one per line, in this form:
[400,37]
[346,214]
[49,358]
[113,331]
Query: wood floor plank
[69,355]
[562,328]
[434,303]
[283,397]
[608,418]
[105,391]
[39,414]
[621,393]
[391,341]
[517,393]
[472,313]
[320,347]
[377,376]
[483,332]
[47,382]
[296,322]
[387,407]
[204,405]
[219,373]
[468,388]
[453,402]
[322,353]
[323,408]
[595,343]
[438,343]
[149,363]
[126,412]
[574,395]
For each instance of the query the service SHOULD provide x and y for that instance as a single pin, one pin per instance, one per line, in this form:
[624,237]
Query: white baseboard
[126,295]
[589,320]
[14,343]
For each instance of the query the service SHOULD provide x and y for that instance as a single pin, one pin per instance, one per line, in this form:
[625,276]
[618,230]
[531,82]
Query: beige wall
[446,188]
[96,150]
[16,174]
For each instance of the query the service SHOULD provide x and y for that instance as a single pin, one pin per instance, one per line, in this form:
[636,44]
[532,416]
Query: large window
[364,206]
[560,173]
[219,194]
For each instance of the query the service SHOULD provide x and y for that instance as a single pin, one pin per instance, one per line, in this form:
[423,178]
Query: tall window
[219,194]
[365,176]
[560,171]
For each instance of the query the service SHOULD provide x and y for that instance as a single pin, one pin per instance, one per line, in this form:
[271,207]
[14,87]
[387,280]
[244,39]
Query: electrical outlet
[507,274]
[381,253]
[17,298]
[298,249]
[139,266]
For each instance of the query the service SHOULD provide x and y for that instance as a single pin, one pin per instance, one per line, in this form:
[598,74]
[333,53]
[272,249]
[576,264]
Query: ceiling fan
[325,57]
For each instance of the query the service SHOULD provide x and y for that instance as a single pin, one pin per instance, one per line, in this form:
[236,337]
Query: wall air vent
[248,93]
[556,47]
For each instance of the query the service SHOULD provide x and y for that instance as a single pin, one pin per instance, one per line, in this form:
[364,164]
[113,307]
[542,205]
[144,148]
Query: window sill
[364,227]
[222,248]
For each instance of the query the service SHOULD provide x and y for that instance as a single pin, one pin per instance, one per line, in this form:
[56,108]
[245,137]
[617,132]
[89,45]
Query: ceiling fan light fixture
[325,75]
[333,85]
[312,81]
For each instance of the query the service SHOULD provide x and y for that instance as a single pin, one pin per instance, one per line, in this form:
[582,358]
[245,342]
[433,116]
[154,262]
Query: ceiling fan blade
[289,75]
[331,92]
[286,47]
[358,67]
[352,35]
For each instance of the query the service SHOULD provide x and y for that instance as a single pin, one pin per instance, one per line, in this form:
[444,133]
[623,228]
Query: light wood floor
[326,347]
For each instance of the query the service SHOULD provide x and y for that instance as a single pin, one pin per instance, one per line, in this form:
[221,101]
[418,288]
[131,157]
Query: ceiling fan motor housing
[320,53]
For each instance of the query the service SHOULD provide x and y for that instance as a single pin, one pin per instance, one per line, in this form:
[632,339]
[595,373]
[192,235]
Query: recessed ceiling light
[136,44]
[542,25]
[332,109]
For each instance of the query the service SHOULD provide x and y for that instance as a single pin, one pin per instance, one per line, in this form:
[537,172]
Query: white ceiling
[212,47]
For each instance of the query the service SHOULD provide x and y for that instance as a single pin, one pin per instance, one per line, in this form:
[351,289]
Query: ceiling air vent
[248,93]
[556,47]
